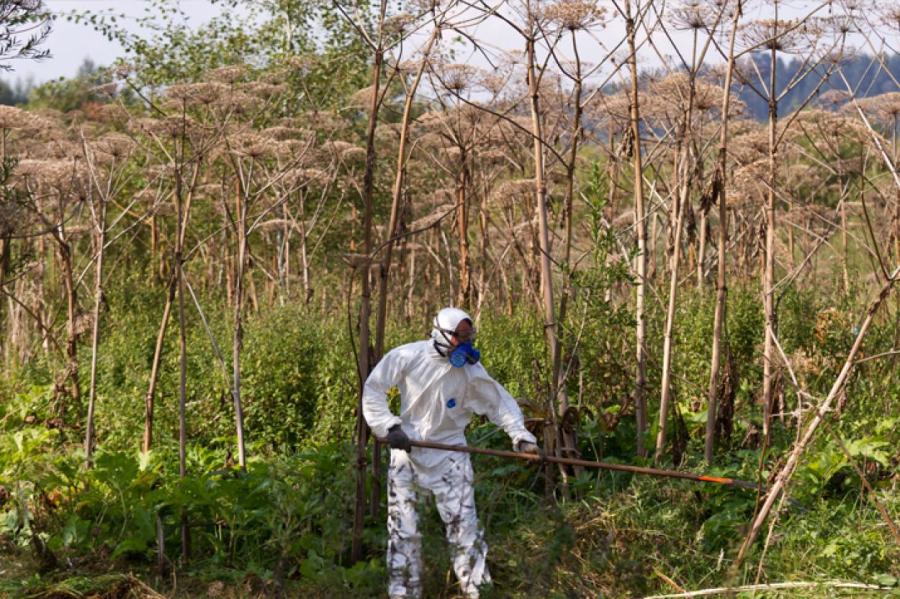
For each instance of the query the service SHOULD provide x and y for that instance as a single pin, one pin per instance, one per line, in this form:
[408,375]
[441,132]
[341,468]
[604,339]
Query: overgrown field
[284,525]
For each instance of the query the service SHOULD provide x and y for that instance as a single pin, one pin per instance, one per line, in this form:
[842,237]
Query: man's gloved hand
[527,447]
[397,439]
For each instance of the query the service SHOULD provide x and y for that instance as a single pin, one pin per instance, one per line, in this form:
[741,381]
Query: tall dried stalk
[98,212]
[150,395]
[64,252]
[640,383]
[684,176]
[393,225]
[680,200]
[181,215]
[241,205]
[558,373]
[364,358]
[769,263]
[183,210]
[540,192]
[718,189]
[397,194]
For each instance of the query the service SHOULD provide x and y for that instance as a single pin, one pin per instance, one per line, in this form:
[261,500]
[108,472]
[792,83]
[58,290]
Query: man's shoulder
[477,371]
[410,350]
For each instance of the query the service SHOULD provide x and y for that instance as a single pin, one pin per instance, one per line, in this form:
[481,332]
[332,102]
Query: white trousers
[454,495]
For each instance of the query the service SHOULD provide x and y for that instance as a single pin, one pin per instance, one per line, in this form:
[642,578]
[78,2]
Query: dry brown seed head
[838,126]
[300,63]
[13,118]
[493,82]
[180,93]
[293,147]
[210,190]
[51,115]
[457,77]
[431,118]
[888,104]
[50,173]
[229,74]
[441,197]
[774,34]
[281,132]
[299,177]
[427,5]
[322,121]
[399,24]
[839,56]
[840,24]
[171,126]
[492,155]
[113,113]
[452,152]
[514,188]
[749,146]
[673,93]
[123,69]
[60,149]
[262,90]
[409,67]
[430,140]
[116,145]
[856,6]
[207,93]
[386,135]
[251,145]
[891,17]
[439,212]
[354,154]
[575,14]
[105,89]
[692,15]
[335,148]
[832,99]
[237,101]
[362,98]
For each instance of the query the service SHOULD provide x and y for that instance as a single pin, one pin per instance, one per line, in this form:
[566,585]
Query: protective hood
[443,325]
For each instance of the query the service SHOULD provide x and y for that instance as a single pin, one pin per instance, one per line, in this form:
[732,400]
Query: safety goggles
[461,336]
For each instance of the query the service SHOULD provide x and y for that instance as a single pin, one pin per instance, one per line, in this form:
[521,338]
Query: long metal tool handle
[531,457]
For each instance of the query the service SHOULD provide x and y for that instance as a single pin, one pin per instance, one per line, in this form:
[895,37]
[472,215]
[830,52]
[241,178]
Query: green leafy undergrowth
[285,524]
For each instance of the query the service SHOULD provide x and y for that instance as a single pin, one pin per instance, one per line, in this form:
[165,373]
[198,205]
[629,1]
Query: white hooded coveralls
[436,403]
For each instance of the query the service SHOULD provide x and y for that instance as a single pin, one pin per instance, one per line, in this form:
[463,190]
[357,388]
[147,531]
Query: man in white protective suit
[441,384]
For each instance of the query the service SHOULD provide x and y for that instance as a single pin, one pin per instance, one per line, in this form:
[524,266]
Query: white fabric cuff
[382,431]
[522,436]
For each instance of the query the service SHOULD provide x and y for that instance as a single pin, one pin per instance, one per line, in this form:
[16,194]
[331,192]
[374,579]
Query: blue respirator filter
[464,353]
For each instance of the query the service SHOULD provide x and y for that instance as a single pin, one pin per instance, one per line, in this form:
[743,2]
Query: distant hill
[864,73]
[16,93]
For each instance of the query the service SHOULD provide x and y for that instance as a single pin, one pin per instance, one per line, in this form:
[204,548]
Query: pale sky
[70,44]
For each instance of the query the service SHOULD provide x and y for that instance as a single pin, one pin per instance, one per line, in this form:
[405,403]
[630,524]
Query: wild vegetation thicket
[205,247]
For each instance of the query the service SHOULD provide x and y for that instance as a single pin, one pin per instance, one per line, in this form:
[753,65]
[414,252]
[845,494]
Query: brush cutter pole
[531,457]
